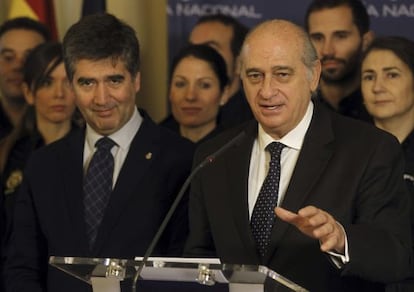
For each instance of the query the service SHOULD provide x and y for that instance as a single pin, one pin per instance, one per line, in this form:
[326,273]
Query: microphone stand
[209,159]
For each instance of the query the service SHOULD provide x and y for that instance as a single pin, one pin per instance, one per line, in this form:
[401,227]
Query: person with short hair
[17,37]
[340,32]
[311,194]
[104,190]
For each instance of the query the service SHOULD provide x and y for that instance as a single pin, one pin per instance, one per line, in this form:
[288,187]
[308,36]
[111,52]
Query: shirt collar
[294,138]
[123,137]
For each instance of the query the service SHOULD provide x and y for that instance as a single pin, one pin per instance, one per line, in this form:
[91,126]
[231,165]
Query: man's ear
[367,39]
[237,65]
[137,82]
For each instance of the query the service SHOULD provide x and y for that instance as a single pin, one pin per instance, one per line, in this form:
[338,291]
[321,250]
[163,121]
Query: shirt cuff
[340,259]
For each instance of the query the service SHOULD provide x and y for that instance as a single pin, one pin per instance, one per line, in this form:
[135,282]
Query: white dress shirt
[259,161]
[123,138]
[259,167]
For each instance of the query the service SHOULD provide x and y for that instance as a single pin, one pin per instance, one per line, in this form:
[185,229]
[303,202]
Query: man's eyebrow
[83,79]
[342,31]
[290,69]
[249,70]
[115,76]
[316,33]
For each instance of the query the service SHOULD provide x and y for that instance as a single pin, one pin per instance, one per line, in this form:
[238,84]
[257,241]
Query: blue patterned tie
[97,186]
[263,214]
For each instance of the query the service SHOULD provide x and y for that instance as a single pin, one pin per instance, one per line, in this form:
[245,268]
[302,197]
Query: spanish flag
[40,10]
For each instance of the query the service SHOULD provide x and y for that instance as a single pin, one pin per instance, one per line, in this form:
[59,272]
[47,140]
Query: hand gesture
[317,224]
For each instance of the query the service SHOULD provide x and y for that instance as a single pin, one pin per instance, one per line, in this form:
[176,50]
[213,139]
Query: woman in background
[48,117]
[388,91]
[198,87]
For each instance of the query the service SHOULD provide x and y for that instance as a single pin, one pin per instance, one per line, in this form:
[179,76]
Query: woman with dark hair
[48,117]
[198,87]
[388,91]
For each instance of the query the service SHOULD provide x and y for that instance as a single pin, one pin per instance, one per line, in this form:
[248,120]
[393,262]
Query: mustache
[328,59]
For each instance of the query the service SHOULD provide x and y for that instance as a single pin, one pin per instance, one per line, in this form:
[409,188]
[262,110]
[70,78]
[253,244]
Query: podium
[105,274]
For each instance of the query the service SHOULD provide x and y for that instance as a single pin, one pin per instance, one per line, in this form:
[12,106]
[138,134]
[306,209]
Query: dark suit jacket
[49,217]
[5,125]
[345,167]
[235,112]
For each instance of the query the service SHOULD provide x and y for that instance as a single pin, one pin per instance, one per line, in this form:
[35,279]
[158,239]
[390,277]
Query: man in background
[17,37]
[340,32]
[226,35]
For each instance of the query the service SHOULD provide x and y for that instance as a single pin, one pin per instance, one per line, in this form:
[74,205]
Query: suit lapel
[316,151]
[238,171]
[144,146]
[72,175]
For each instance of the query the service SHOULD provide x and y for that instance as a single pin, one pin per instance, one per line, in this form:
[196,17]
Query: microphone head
[210,159]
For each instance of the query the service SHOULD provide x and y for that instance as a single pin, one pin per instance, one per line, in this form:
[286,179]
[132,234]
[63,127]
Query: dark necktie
[263,212]
[97,186]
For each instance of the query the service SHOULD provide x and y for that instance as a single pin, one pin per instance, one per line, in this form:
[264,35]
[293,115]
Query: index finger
[289,216]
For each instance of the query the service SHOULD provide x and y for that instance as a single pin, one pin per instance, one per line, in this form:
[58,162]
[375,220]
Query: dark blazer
[351,105]
[5,124]
[235,111]
[49,217]
[345,167]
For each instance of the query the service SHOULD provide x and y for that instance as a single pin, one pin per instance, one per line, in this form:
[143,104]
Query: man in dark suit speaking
[103,191]
[342,221]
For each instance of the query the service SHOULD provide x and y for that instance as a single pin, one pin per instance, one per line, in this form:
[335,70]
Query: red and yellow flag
[40,10]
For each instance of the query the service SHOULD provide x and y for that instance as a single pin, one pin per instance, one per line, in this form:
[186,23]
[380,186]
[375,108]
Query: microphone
[206,161]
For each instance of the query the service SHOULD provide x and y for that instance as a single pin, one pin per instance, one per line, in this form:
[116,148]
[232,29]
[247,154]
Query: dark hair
[359,12]
[101,36]
[207,54]
[27,24]
[402,47]
[40,62]
[239,29]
